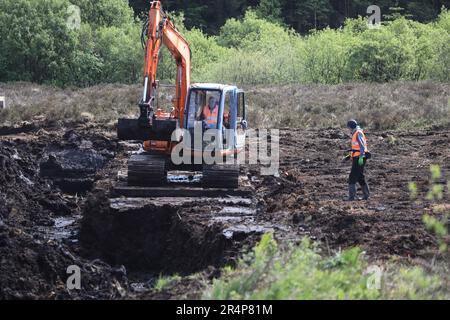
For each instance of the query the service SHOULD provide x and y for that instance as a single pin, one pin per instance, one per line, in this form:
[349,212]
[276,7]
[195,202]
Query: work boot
[351,192]
[366,192]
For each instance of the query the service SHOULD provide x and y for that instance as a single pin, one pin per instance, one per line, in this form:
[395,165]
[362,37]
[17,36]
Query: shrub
[121,53]
[303,273]
[38,46]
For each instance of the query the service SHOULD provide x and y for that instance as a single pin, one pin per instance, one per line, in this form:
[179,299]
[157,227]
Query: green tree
[312,14]
[35,43]
[121,53]
[270,10]
[104,13]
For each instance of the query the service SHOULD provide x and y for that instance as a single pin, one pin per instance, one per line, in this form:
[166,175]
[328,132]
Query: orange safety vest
[211,116]
[355,144]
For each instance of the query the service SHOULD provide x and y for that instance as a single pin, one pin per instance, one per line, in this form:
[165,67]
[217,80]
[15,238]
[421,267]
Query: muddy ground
[57,209]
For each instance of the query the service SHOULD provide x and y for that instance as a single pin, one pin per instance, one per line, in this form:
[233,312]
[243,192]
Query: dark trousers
[357,173]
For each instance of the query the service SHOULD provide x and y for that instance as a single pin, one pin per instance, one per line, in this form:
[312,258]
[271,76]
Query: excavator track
[221,176]
[146,170]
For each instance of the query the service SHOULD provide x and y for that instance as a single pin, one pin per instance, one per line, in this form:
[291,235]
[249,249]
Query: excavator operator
[210,113]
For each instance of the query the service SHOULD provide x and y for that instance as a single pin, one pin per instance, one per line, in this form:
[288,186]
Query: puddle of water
[63,222]
[228,219]
[64,228]
[184,178]
[238,211]
[26,180]
[229,233]
[139,287]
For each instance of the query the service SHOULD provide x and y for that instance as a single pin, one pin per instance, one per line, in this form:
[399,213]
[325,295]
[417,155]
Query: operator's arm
[362,145]
[202,115]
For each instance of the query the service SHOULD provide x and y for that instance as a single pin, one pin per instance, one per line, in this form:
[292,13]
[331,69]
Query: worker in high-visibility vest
[210,113]
[359,154]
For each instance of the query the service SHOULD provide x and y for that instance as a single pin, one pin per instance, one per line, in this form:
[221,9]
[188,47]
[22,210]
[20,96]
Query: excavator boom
[161,30]
[154,124]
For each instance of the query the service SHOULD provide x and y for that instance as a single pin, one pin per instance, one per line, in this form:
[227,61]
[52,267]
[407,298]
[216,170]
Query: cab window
[227,109]
[199,100]
[240,109]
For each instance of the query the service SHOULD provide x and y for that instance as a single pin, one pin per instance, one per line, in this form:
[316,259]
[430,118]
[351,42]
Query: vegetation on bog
[437,220]
[394,106]
[303,272]
[165,281]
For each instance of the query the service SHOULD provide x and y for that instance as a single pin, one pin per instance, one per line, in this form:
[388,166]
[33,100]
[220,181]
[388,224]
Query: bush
[325,56]
[303,273]
[121,53]
[263,52]
[378,56]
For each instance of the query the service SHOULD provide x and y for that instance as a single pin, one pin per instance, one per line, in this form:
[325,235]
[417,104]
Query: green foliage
[104,13]
[38,46]
[165,282]
[438,227]
[252,33]
[434,224]
[392,140]
[261,52]
[437,221]
[270,10]
[302,15]
[35,43]
[301,273]
[412,187]
[326,66]
[312,14]
[120,50]
[414,283]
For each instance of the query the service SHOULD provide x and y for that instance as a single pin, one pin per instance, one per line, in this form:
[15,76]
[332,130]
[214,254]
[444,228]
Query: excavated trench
[151,238]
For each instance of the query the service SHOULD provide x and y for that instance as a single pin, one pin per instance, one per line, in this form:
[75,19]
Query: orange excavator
[198,109]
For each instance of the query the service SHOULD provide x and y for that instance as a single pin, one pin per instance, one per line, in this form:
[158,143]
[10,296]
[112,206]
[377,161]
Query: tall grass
[377,106]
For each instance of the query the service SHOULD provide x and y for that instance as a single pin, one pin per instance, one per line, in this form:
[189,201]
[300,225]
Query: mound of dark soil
[32,264]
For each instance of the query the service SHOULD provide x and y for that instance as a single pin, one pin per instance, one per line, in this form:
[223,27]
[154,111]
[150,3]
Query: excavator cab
[226,115]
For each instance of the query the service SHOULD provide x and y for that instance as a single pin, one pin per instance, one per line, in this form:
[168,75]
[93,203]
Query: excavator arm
[153,124]
[162,31]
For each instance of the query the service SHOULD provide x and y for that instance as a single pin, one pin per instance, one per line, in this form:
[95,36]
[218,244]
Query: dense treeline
[302,15]
[37,45]
[255,51]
